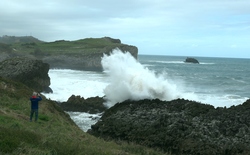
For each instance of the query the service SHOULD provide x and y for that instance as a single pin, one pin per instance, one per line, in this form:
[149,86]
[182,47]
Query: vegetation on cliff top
[40,48]
[13,39]
[54,133]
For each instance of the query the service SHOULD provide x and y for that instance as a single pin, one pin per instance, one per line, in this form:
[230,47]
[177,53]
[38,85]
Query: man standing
[34,105]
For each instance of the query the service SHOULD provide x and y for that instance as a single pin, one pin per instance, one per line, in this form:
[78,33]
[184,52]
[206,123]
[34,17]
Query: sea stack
[191,60]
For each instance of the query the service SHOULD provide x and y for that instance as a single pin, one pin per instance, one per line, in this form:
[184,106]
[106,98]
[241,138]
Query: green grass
[53,134]
[11,138]
[43,117]
[78,47]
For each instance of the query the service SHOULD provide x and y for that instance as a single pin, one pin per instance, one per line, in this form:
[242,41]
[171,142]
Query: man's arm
[39,97]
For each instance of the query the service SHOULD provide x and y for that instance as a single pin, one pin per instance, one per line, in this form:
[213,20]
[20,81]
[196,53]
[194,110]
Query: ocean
[221,82]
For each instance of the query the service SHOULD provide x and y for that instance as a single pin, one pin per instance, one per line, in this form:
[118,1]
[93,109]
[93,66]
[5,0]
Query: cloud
[142,23]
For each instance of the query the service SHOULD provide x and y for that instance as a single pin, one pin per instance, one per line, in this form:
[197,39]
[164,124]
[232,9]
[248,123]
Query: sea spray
[131,80]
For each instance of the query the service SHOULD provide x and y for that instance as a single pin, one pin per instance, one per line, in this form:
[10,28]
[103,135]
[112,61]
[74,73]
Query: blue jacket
[34,101]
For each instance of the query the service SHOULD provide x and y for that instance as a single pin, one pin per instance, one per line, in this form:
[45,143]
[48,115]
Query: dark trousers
[32,112]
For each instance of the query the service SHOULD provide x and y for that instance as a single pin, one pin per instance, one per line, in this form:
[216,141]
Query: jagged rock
[91,105]
[191,60]
[179,126]
[33,73]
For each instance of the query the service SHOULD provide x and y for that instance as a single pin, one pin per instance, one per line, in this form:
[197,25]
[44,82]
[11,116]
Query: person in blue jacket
[34,105]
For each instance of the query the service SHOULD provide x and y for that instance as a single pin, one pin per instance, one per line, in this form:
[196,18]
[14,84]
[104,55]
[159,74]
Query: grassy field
[54,133]
[83,46]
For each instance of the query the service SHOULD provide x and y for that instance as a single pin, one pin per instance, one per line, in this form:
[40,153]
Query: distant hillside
[83,54]
[5,47]
[22,39]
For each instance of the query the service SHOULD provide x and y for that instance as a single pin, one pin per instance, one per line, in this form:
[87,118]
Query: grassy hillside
[82,46]
[23,39]
[54,133]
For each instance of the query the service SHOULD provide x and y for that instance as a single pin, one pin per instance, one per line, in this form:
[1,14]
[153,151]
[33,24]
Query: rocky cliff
[179,126]
[90,105]
[83,54]
[33,73]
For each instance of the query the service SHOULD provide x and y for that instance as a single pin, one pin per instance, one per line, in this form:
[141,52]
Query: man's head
[34,93]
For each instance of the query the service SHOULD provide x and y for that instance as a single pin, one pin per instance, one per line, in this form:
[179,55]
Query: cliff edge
[83,54]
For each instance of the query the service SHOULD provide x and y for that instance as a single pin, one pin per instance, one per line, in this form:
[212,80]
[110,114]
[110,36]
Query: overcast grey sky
[215,28]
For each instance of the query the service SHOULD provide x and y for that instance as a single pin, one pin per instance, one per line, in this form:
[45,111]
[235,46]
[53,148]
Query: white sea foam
[206,63]
[65,82]
[221,101]
[131,80]
[84,120]
[170,62]
[125,78]
[181,62]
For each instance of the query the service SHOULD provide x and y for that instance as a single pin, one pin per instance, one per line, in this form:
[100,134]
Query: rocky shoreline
[179,126]
[31,72]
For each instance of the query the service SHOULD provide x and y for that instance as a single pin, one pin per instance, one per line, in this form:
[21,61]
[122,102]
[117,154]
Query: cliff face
[84,54]
[33,73]
[91,61]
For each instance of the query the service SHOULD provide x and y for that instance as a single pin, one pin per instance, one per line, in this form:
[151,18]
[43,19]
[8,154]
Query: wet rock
[31,72]
[179,126]
[191,60]
[91,105]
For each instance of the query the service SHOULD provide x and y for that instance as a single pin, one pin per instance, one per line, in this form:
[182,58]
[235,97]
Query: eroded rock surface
[91,105]
[179,126]
[31,72]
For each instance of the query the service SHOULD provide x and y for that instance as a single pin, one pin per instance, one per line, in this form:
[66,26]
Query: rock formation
[179,126]
[33,73]
[191,60]
[91,105]
[83,54]
[91,60]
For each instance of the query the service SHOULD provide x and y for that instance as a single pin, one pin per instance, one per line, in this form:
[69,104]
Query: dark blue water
[219,81]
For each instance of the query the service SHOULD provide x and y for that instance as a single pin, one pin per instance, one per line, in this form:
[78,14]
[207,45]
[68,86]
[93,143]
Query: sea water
[221,82]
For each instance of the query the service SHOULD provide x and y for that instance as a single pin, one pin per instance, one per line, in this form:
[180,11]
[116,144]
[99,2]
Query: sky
[210,28]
